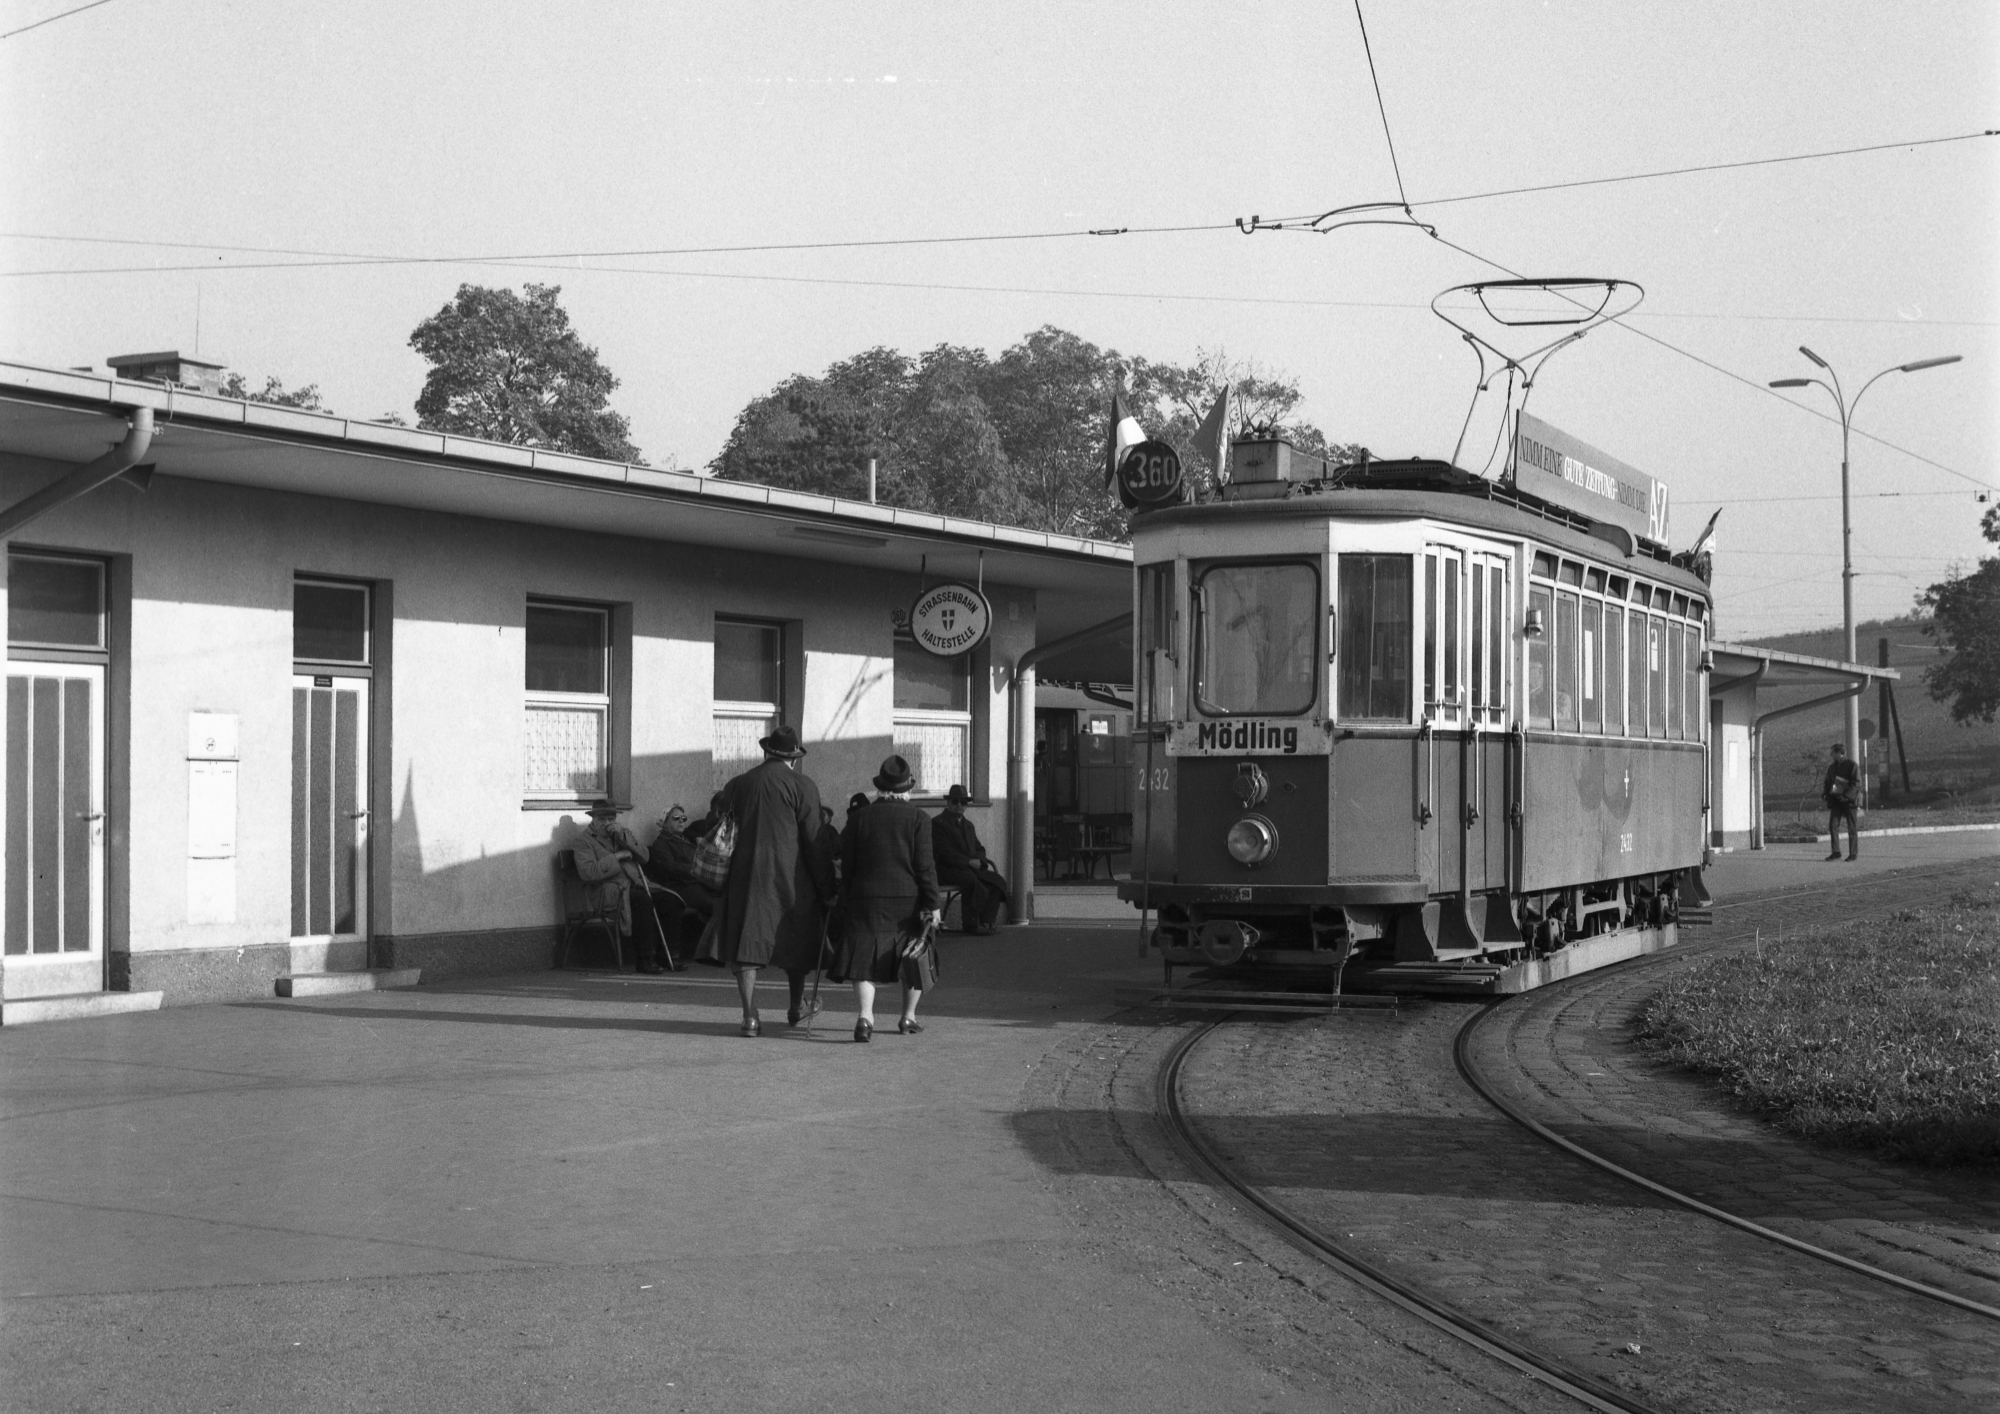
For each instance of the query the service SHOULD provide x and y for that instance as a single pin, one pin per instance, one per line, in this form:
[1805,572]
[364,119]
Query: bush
[1883,1036]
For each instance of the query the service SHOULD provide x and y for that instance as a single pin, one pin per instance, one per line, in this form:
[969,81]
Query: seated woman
[889,891]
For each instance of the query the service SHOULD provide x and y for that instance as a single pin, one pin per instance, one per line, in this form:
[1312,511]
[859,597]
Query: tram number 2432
[1152,779]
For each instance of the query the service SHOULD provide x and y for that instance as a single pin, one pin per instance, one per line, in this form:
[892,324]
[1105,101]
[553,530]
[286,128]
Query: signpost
[1150,475]
[949,619]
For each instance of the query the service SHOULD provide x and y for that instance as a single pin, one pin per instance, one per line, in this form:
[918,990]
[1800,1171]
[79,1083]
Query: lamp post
[1846,519]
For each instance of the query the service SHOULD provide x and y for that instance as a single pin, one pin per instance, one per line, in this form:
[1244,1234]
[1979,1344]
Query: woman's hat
[957,796]
[895,775]
[783,743]
[857,800]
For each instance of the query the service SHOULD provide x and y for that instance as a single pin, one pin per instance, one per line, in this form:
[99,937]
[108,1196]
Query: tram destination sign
[1251,736]
[1557,467]
[1150,475]
[949,619]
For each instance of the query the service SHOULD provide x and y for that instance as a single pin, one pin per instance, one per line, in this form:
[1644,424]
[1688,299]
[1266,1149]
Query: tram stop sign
[1867,729]
[1150,475]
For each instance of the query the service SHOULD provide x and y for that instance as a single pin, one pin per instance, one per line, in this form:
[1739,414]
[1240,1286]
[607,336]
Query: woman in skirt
[890,892]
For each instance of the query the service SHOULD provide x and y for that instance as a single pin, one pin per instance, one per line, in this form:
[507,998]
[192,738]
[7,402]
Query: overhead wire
[53,18]
[1388,137]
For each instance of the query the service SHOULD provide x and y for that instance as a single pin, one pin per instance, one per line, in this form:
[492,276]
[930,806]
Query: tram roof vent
[1268,466]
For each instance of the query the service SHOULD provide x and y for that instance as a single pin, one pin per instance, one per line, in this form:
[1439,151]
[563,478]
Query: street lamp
[1846,521]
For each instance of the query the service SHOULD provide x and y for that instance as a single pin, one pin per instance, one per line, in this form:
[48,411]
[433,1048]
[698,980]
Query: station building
[329,695]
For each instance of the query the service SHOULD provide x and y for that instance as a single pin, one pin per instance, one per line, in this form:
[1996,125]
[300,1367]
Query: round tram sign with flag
[1150,475]
[949,619]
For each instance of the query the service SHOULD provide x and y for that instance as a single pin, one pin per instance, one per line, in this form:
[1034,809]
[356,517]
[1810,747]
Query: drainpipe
[1853,689]
[115,463]
[1021,764]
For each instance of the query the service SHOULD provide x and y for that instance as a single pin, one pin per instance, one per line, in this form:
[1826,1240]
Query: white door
[329,808]
[54,912]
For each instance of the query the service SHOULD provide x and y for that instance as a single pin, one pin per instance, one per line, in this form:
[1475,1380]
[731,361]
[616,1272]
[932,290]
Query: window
[1443,576]
[1157,666]
[55,603]
[1257,639]
[749,692]
[1656,676]
[1541,685]
[1691,680]
[1614,669]
[1592,643]
[1567,659]
[1676,671]
[1497,639]
[933,717]
[1635,673]
[330,622]
[568,702]
[1374,623]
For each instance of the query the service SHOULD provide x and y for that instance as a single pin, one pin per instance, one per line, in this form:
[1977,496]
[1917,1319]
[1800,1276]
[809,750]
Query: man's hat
[783,743]
[607,809]
[857,800]
[957,796]
[895,775]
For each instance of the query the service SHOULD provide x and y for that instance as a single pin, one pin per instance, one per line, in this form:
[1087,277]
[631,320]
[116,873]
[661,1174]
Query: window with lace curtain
[933,718]
[568,702]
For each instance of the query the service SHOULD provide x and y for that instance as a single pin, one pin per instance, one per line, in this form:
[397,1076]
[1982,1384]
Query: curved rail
[1551,1372]
[1461,1052]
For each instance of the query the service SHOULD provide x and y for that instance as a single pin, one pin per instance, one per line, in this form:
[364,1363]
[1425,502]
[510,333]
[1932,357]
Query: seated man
[962,864]
[609,860]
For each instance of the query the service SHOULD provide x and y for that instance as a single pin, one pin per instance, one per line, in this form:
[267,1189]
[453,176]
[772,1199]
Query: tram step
[73,1005]
[1696,917]
[326,984]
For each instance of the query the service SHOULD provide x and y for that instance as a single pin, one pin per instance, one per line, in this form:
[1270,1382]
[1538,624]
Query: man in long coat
[779,880]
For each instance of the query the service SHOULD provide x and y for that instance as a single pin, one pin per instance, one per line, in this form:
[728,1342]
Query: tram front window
[1257,639]
[1374,620]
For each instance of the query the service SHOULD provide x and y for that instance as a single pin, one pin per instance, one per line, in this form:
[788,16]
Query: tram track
[1384,1271]
[1545,1369]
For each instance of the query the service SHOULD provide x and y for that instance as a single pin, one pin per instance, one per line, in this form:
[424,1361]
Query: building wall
[464,876]
[1730,792]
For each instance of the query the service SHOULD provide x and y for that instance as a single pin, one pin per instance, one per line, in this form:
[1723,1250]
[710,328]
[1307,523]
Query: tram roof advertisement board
[1557,467]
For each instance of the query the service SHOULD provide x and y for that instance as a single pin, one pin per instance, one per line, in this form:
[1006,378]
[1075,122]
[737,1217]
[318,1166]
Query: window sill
[583,802]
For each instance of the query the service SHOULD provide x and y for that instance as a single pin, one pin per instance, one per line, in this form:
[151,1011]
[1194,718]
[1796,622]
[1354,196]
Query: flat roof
[1784,669]
[70,417]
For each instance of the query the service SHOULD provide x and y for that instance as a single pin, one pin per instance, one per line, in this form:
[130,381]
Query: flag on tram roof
[1126,433]
[1213,438]
[1706,540]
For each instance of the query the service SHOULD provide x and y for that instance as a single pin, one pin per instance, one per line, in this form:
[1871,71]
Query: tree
[510,368]
[305,396]
[1018,439]
[1965,619]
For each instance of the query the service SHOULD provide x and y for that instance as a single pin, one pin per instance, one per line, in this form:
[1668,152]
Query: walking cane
[819,967]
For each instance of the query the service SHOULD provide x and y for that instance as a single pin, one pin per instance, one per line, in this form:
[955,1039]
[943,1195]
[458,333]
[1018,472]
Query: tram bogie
[1398,722]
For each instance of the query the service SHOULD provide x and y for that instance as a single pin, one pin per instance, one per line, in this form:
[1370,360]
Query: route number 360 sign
[1150,475]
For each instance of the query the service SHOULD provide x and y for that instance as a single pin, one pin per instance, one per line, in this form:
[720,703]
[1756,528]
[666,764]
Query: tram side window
[1656,676]
[1478,622]
[1676,674]
[1374,615]
[1157,677]
[1567,657]
[1592,643]
[1614,669]
[1691,682]
[1496,638]
[1257,639]
[1635,672]
[1541,690]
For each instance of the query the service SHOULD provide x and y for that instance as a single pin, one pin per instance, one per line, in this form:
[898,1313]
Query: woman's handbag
[712,855]
[920,969]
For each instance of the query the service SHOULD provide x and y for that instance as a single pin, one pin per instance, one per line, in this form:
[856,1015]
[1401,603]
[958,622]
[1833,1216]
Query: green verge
[1882,1036]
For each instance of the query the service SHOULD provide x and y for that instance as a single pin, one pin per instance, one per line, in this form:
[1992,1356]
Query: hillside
[1944,756]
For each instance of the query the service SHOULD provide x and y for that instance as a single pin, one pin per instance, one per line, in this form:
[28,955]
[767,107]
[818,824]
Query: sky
[601,146]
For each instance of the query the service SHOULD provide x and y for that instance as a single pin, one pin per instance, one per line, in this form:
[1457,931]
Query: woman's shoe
[908,1026]
[753,1025]
[864,1029]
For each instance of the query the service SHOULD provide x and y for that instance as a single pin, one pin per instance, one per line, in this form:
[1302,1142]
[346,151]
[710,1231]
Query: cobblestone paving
[1362,1125]
[1087,1113]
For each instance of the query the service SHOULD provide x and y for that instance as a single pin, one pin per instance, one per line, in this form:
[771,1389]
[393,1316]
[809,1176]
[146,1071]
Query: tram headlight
[1252,841]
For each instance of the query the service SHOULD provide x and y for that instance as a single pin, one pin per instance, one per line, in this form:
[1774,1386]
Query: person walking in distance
[779,880]
[1840,788]
[889,893]
[962,864]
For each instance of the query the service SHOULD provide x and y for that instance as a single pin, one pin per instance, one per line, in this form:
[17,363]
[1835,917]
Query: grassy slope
[1879,1036]
[1944,755]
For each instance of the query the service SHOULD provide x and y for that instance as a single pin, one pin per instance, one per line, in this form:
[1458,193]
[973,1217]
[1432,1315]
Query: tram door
[1489,631]
[1441,771]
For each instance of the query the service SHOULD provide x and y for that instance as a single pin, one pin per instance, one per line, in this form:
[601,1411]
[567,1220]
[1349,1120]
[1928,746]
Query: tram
[1416,727]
